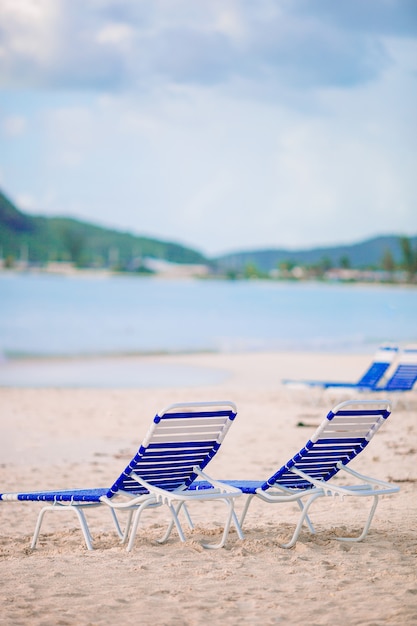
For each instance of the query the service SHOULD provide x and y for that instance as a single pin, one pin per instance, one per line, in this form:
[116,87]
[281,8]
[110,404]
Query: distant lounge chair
[180,442]
[403,378]
[382,360]
[309,474]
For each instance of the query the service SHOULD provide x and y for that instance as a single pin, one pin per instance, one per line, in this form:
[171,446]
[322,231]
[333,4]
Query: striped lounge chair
[382,360]
[181,441]
[310,474]
[404,376]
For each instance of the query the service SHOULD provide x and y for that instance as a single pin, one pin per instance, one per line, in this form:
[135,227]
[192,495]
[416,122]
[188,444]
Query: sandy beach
[61,437]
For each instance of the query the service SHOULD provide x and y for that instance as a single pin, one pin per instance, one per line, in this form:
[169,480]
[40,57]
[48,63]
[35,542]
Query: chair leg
[84,527]
[38,526]
[300,504]
[174,513]
[366,527]
[188,517]
[237,525]
[301,520]
[138,513]
[307,519]
[231,517]
[125,535]
[174,521]
[245,509]
[116,524]
[81,518]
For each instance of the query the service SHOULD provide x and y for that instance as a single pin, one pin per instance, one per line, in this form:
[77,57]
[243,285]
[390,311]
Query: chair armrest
[366,488]
[222,487]
[133,502]
[220,490]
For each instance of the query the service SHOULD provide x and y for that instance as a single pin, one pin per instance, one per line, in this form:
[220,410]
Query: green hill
[366,254]
[43,239]
[40,240]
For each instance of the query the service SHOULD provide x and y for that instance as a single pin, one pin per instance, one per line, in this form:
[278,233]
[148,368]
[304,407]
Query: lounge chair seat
[182,440]
[309,474]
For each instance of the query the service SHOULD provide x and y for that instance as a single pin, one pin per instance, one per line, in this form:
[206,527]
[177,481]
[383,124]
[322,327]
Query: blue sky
[221,124]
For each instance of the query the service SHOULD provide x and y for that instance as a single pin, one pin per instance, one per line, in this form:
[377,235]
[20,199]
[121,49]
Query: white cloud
[224,125]
[115,34]
[73,43]
[27,40]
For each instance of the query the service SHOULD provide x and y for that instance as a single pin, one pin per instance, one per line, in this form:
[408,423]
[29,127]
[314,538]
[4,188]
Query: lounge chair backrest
[381,362]
[405,375]
[181,437]
[342,435]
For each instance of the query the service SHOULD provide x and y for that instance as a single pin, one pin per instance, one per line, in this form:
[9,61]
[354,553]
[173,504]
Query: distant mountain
[367,254]
[42,239]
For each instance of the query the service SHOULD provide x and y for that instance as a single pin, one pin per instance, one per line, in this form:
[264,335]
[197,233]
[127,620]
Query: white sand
[68,438]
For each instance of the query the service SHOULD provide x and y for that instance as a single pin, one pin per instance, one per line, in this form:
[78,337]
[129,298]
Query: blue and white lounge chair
[382,360]
[180,442]
[404,376]
[310,473]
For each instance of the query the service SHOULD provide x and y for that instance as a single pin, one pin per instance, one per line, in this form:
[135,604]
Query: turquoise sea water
[50,315]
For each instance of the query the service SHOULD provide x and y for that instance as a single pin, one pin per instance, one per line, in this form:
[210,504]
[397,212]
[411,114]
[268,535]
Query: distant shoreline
[373,279]
[93,356]
[198,369]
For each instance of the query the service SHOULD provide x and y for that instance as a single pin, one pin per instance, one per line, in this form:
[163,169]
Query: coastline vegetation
[66,245]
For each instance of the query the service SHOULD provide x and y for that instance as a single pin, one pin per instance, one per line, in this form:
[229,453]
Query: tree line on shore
[37,241]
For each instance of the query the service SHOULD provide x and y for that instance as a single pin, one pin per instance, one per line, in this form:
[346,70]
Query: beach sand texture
[68,438]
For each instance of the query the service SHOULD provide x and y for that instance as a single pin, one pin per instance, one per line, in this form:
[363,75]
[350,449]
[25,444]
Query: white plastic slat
[190,431]
[193,421]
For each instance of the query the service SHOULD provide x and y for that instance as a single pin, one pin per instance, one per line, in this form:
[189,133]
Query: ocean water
[49,315]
